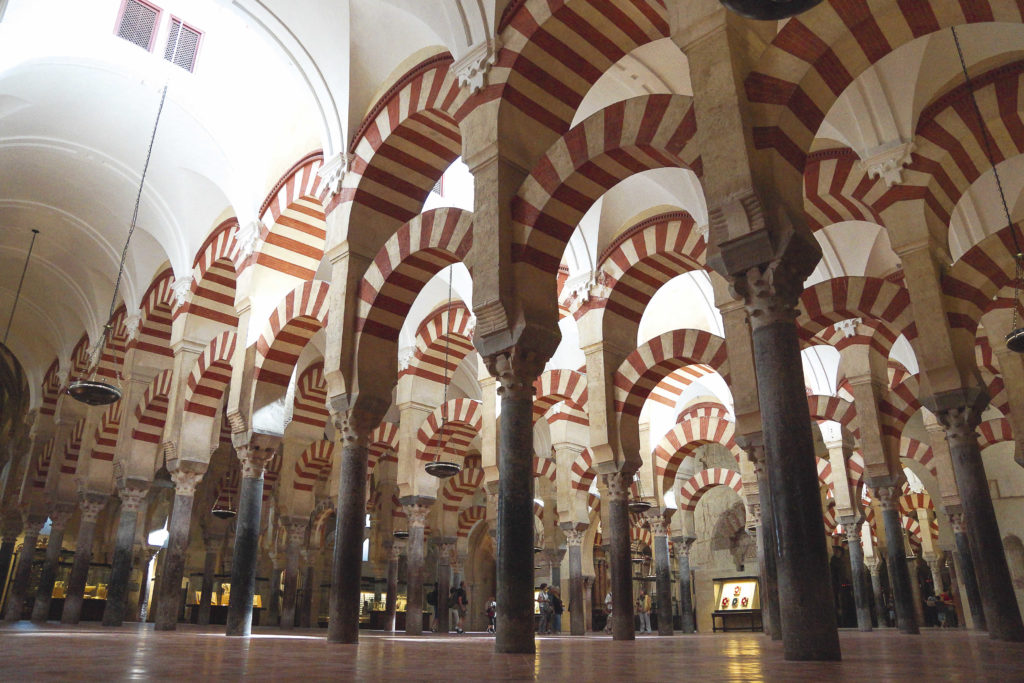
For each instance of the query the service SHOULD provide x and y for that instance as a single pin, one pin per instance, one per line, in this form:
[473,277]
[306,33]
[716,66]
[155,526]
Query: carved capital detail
[91,504]
[132,496]
[574,537]
[182,289]
[618,484]
[59,516]
[659,525]
[956,521]
[516,370]
[887,162]
[417,513]
[769,293]
[852,531]
[248,238]
[185,482]
[255,454]
[683,544]
[888,497]
[296,529]
[471,68]
[960,424]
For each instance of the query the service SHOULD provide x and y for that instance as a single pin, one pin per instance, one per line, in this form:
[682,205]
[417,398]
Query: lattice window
[137,23]
[182,45]
[439,187]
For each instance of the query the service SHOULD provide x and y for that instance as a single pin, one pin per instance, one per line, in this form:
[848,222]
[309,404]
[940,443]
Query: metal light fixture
[224,510]
[162,477]
[1015,338]
[401,534]
[443,469]
[638,505]
[17,294]
[769,10]
[92,391]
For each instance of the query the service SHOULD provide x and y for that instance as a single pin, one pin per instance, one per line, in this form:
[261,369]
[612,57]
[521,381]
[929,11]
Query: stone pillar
[915,587]
[771,616]
[876,588]
[1002,615]
[209,567]
[574,535]
[899,577]
[254,452]
[391,601]
[23,572]
[683,545]
[274,608]
[309,582]
[770,293]
[619,561]
[296,535]
[11,530]
[132,494]
[168,588]
[935,567]
[663,572]
[965,565]
[59,517]
[445,547]
[146,556]
[90,504]
[954,586]
[516,372]
[416,511]
[857,573]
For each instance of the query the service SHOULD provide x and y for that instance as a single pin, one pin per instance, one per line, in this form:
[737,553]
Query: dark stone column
[11,530]
[391,601]
[274,608]
[659,528]
[965,564]
[350,527]
[308,587]
[683,545]
[858,574]
[132,494]
[954,588]
[296,535]
[876,588]
[896,559]
[209,567]
[444,546]
[58,522]
[516,373]
[770,612]
[915,588]
[416,510]
[574,535]
[90,504]
[1002,614]
[168,588]
[619,561]
[147,612]
[254,452]
[23,572]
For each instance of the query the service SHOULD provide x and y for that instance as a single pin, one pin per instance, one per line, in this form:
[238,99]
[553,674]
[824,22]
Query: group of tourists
[549,603]
[642,607]
[457,605]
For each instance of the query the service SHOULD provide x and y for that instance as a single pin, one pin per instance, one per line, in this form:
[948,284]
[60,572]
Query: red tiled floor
[90,652]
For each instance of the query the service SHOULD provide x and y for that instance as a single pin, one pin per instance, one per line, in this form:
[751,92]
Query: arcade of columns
[328,426]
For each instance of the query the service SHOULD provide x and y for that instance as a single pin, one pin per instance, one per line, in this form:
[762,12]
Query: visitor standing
[461,605]
[492,614]
[643,608]
[608,611]
[544,607]
[556,610]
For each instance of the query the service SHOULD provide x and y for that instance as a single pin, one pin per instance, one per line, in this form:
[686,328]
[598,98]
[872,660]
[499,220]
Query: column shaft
[899,577]
[291,585]
[859,578]
[876,588]
[915,589]
[664,585]
[391,601]
[965,562]
[6,555]
[770,610]
[308,586]
[577,623]
[121,568]
[41,608]
[444,584]
[169,586]
[414,581]
[79,572]
[619,561]
[206,596]
[245,555]
[348,541]
[685,594]
[22,575]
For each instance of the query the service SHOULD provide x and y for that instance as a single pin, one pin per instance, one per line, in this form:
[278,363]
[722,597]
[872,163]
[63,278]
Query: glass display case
[737,605]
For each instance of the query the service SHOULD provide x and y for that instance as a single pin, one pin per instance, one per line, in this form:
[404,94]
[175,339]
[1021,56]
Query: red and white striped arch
[835,409]
[623,139]
[913,502]
[112,359]
[154,334]
[151,410]
[404,145]
[50,389]
[226,493]
[463,484]
[699,484]
[824,468]
[210,376]
[996,430]
[837,188]
[301,314]
[468,519]
[72,448]
[271,476]
[828,515]
[972,283]
[447,331]
[658,358]
[556,386]
[42,466]
[294,223]
[316,459]
[582,473]
[868,298]
[464,419]
[383,445]
[311,397]
[544,468]
[896,407]
[672,386]
[683,440]
[214,273]
[646,257]
[106,433]
[644,537]
[79,359]
[419,250]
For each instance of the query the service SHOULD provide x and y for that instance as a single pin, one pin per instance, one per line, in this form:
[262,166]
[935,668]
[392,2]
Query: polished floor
[134,652]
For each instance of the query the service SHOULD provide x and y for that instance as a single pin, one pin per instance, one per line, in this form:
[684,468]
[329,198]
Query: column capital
[618,484]
[956,521]
[132,493]
[770,293]
[32,522]
[296,528]
[659,525]
[852,530]
[91,504]
[888,497]
[355,418]
[416,511]
[60,514]
[254,451]
[683,544]
[959,412]
[516,370]
[753,445]
[574,535]
[186,481]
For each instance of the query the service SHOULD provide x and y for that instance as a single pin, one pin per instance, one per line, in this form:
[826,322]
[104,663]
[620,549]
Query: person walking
[492,614]
[608,611]
[643,608]
[556,610]
[461,605]
[544,607]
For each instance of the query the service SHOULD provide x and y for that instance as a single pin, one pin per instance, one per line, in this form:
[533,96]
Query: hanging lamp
[401,534]
[769,10]
[17,294]
[443,469]
[92,391]
[162,477]
[1015,338]
[224,510]
[638,505]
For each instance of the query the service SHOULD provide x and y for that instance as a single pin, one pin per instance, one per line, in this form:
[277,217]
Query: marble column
[574,535]
[59,517]
[11,530]
[954,588]
[619,560]
[23,572]
[254,452]
[899,577]
[445,547]
[935,567]
[965,565]
[391,601]
[662,571]
[516,372]
[180,524]
[90,505]
[858,574]
[206,595]
[683,545]
[915,589]
[296,536]
[876,588]
[416,511]
[306,619]
[770,612]
[1002,614]
[132,494]
[588,603]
